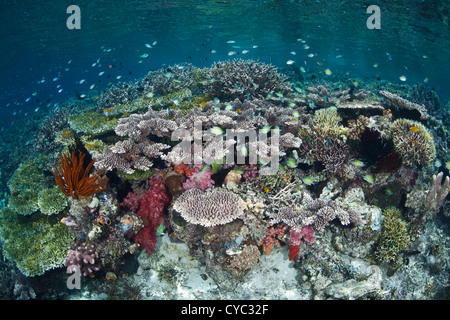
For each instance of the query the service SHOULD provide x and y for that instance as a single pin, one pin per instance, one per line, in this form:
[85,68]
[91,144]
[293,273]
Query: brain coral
[209,208]
[413,141]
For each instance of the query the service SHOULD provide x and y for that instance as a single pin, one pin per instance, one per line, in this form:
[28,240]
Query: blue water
[36,44]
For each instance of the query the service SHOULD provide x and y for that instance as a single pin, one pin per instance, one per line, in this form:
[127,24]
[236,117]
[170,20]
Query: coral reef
[85,259]
[25,185]
[244,79]
[36,243]
[209,208]
[393,239]
[414,142]
[438,192]
[403,103]
[72,176]
[199,179]
[150,207]
[51,201]
[247,259]
[129,156]
[206,219]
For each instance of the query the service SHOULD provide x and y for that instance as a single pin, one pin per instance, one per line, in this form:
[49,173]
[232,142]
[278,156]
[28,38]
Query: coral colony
[236,161]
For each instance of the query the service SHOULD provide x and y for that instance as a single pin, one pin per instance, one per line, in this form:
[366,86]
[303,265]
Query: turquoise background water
[414,41]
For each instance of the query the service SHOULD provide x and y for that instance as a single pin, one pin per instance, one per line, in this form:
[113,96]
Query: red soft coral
[150,207]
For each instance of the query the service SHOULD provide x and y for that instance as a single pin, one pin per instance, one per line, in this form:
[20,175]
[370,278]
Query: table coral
[52,201]
[36,243]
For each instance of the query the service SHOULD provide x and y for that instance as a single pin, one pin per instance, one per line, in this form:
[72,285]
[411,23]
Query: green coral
[136,175]
[394,237]
[52,201]
[414,142]
[25,184]
[37,243]
[148,101]
[92,122]
[327,123]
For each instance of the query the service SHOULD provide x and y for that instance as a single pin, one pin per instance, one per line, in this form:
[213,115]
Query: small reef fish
[216,130]
[144,56]
[216,100]
[328,72]
[244,51]
[289,62]
[293,53]
[368,178]
[244,151]
[231,53]
[388,192]
[168,74]
[447,165]
[265,129]
[402,78]
[437,163]
[176,101]
[68,221]
[310,55]
[308,180]
[160,230]
[231,41]
[291,163]
[357,163]
[228,107]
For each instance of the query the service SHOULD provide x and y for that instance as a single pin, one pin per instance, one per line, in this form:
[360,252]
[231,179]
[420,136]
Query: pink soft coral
[150,207]
[198,179]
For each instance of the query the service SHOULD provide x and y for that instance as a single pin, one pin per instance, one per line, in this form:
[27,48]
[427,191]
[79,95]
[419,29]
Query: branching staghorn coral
[244,79]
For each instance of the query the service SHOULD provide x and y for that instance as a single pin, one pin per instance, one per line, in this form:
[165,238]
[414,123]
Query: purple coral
[199,179]
[85,258]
